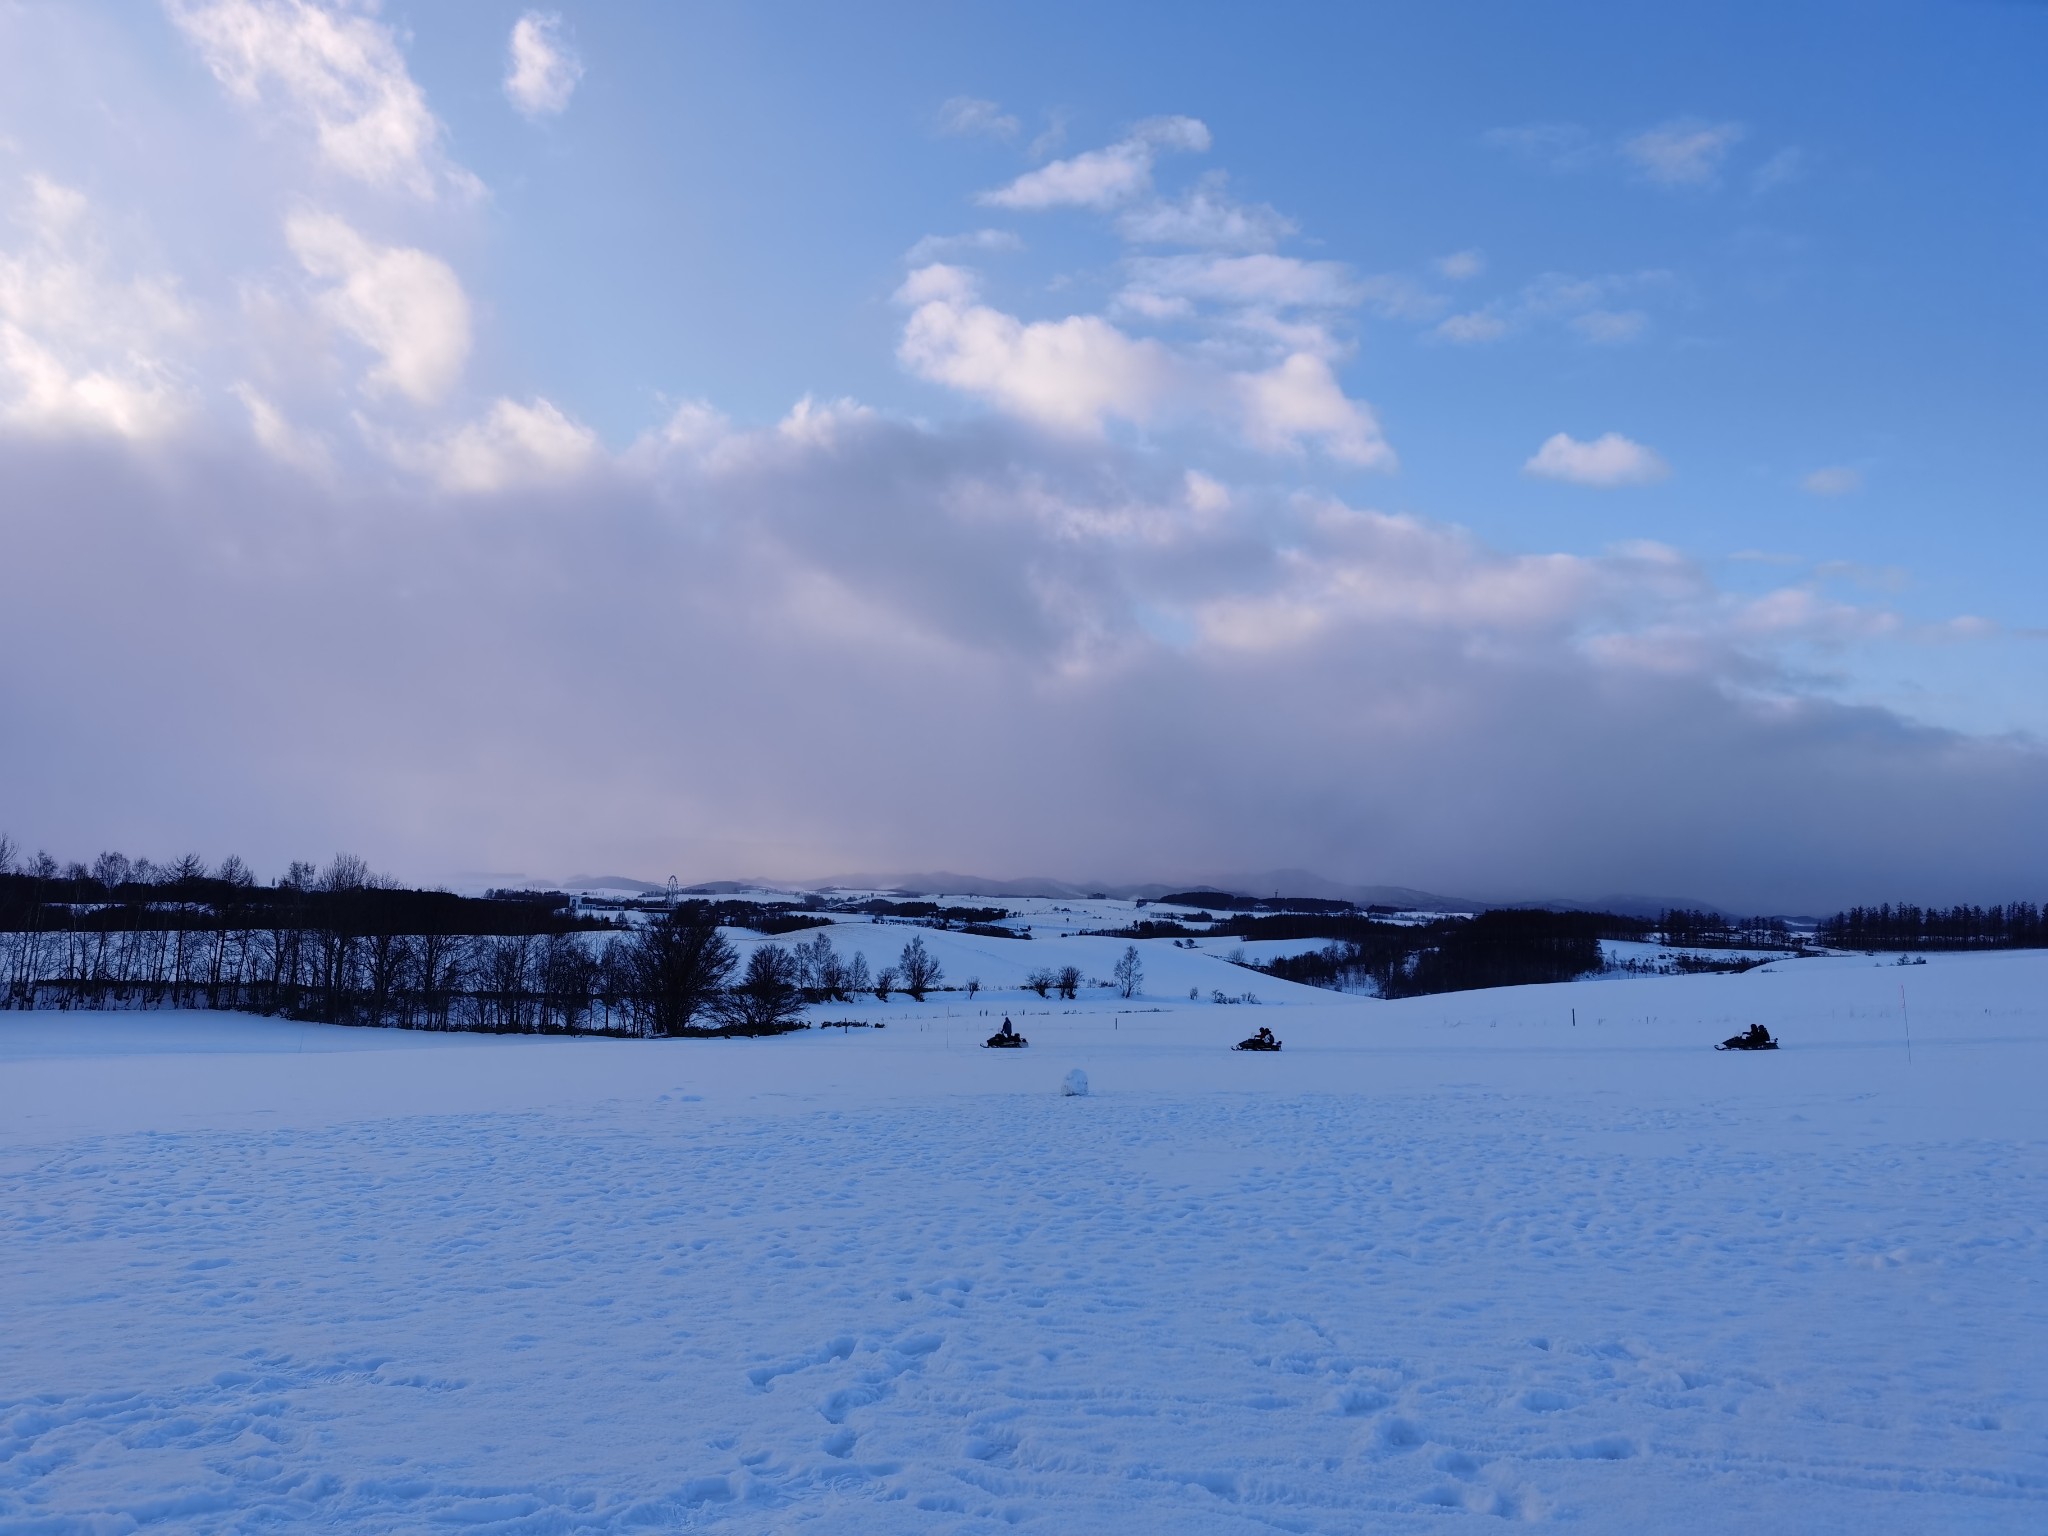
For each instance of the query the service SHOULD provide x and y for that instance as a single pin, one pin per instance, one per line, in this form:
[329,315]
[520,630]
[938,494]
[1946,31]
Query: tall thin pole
[1908,1020]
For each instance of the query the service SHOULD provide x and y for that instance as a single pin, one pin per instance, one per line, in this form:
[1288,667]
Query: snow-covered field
[1439,1264]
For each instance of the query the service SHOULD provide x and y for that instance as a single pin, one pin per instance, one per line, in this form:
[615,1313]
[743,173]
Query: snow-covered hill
[1437,1263]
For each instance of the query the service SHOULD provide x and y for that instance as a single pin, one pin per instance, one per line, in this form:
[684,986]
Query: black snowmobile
[1005,1039]
[1262,1041]
[1755,1038]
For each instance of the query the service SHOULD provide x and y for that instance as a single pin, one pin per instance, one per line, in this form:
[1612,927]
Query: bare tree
[767,996]
[568,976]
[1129,972]
[8,850]
[1040,981]
[973,986]
[885,983]
[345,873]
[680,960]
[857,980]
[819,972]
[920,971]
[1069,981]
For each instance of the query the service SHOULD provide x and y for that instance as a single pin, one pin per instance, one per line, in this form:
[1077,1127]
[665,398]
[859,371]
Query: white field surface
[1438,1265]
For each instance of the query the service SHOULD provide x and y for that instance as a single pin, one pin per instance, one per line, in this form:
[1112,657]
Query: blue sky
[1685,359]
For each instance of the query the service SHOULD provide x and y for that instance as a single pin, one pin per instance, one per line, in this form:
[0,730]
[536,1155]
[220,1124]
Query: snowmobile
[1004,1039]
[1262,1041]
[1755,1038]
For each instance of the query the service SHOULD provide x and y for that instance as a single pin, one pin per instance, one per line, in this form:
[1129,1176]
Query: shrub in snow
[1076,1084]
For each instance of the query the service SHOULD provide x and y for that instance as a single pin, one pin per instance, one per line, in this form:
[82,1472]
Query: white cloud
[1783,168]
[1592,307]
[1102,178]
[1461,265]
[1474,326]
[404,305]
[1053,138]
[277,436]
[696,426]
[1610,327]
[1609,460]
[1300,401]
[1205,493]
[1684,152]
[1835,480]
[542,70]
[824,425]
[1560,146]
[936,247]
[938,282]
[1286,304]
[514,446]
[1079,373]
[1207,216]
[336,67]
[1264,279]
[967,116]
[1071,374]
[82,350]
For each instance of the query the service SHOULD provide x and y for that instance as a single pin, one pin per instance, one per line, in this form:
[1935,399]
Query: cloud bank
[846,641]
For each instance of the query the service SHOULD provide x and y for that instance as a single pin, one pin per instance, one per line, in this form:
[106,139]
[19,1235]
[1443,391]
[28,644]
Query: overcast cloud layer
[291,570]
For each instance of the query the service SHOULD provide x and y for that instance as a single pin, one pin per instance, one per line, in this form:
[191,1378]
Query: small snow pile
[1076,1084]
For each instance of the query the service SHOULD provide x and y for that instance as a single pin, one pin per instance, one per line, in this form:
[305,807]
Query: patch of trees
[821,975]
[1045,981]
[1225,901]
[1684,929]
[927,912]
[2019,925]
[1501,948]
[342,945]
[1149,928]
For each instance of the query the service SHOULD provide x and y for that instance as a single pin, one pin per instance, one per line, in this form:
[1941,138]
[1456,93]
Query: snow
[1439,1263]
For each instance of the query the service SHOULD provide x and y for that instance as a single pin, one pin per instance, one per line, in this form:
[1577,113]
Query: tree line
[1502,948]
[343,945]
[2018,925]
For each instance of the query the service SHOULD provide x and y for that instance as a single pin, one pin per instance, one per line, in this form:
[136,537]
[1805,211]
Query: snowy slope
[1439,1263]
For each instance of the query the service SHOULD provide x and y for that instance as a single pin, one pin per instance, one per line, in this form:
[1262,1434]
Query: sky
[1514,452]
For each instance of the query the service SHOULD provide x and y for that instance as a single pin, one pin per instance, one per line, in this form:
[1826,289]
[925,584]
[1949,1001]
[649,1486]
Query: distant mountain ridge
[1279,882]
